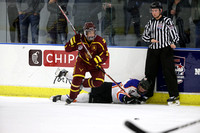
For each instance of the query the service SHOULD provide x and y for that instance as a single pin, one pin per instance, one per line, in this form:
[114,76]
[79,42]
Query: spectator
[176,11]
[86,11]
[13,19]
[107,22]
[57,24]
[29,13]
[132,15]
[196,20]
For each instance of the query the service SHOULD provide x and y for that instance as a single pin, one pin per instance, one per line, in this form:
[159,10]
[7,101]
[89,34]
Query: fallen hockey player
[109,92]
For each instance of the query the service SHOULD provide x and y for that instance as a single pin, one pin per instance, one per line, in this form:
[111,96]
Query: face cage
[90,38]
[141,93]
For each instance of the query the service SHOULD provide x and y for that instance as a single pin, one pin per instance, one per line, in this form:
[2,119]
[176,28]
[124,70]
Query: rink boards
[28,70]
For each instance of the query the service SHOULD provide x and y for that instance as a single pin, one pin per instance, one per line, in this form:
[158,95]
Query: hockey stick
[114,81]
[134,127]
[139,130]
[183,126]
[88,50]
[73,28]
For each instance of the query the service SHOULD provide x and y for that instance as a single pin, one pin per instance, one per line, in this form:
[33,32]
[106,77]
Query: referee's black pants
[163,56]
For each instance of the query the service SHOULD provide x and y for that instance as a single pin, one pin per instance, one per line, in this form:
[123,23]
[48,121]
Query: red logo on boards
[60,58]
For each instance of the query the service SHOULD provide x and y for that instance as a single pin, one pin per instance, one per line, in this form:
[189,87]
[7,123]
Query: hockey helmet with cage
[145,84]
[156,4]
[89,26]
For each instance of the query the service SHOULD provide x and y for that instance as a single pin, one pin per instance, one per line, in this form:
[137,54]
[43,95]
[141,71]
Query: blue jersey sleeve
[113,84]
[132,82]
[121,97]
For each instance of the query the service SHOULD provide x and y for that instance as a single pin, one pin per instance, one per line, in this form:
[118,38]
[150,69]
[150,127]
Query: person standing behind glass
[132,14]
[29,13]
[86,11]
[107,22]
[180,12]
[13,20]
[196,20]
[57,24]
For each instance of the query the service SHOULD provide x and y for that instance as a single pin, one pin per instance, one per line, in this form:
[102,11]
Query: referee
[161,34]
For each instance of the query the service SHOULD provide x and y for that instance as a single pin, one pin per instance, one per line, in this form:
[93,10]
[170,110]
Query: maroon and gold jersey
[96,47]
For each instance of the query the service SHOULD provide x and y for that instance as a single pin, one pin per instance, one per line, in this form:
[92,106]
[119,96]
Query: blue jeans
[197,34]
[57,38]
[25,20]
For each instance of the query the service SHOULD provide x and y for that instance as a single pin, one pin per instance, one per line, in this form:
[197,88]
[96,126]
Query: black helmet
[156,4]
[145,84]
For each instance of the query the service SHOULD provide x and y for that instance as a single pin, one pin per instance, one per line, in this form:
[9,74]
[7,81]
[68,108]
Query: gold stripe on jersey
[76,86]
[100,79]
[79,75]
[74,90]
[71,41]
[100,45]
[78,43]
[89,82]
[93,43]
[101,53]
[74,39]
[92,84]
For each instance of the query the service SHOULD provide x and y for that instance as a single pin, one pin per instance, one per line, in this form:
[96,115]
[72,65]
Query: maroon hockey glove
[97,61]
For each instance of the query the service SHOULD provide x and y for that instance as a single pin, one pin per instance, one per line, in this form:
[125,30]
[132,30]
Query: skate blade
[174,103]
[67,103]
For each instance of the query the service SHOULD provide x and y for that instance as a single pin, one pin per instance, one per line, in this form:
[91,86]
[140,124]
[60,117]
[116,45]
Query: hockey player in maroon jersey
[97,47]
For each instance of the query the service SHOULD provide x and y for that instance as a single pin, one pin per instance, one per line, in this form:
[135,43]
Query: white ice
[40,115]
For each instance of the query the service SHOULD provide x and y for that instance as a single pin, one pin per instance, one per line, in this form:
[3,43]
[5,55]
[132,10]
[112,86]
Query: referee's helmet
[156,4]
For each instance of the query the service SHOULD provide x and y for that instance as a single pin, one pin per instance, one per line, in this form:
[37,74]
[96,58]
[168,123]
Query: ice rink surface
[40,115]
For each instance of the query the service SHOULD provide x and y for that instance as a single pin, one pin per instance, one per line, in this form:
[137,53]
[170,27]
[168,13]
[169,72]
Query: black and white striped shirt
[162,30]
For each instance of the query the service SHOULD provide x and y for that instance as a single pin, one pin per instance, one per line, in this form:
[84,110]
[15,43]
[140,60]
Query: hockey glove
[75,39]
[143,99]
[97,61]
[130,100]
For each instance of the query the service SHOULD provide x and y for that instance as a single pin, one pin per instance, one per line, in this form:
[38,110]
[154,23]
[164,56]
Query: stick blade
[134,127]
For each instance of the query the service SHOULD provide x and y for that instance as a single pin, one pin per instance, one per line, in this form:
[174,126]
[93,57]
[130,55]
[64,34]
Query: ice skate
[68,100]
[55,98]
[173,101]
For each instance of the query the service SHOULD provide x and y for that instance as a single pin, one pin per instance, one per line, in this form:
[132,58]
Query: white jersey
[130,86]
